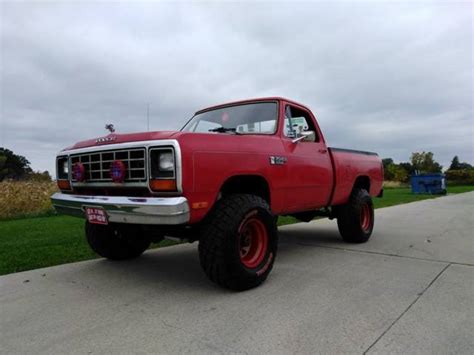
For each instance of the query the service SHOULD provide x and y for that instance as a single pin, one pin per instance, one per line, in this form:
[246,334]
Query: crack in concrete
[382,253]
[419,295]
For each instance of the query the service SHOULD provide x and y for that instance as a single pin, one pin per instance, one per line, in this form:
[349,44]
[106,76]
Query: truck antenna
[148,116]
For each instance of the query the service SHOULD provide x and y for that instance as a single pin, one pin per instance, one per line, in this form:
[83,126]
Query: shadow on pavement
[178,266]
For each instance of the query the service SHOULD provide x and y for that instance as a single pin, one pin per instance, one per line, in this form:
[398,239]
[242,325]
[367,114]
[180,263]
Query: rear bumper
[133,210]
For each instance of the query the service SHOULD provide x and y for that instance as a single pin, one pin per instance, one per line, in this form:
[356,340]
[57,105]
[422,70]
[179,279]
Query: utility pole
[148,116]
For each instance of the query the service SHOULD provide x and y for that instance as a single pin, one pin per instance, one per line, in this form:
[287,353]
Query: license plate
[96,215]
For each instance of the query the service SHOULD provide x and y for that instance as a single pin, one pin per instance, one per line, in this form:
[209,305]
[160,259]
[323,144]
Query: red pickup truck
[222,179]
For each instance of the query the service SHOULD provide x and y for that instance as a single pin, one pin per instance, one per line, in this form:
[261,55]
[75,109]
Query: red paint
[365,217]
[122,138]
[266,266]
[252,242]
[313,177]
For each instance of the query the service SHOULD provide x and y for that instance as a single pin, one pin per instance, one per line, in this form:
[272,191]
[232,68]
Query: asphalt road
[410,289]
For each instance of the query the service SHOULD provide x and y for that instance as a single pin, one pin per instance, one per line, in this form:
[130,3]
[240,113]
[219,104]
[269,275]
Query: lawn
[394,196]
[31,243]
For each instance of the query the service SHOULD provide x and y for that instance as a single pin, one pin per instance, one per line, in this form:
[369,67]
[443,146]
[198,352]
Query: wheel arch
[252,184]
[362,182]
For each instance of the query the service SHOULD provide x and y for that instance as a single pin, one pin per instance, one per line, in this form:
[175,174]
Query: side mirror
[309,136]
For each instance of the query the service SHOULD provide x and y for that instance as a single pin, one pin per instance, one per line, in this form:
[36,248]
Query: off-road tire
[221,246]
[117,241]
[355,219]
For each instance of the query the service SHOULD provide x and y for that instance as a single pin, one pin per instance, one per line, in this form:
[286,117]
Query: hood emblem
[110,127]
[109,138]
[105,139]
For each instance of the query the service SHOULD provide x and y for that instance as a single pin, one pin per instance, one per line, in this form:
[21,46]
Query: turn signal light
[64,185]
[163,184]
[199,205]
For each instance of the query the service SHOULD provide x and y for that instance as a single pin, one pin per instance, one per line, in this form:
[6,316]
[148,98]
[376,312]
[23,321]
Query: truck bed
[348,165]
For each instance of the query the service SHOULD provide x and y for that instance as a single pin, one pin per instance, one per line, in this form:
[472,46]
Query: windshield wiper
[224,130]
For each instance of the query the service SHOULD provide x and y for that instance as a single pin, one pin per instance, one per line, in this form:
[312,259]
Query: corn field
[23,198]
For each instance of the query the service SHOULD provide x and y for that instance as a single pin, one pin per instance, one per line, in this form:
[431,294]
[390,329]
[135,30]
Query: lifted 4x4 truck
[222,180]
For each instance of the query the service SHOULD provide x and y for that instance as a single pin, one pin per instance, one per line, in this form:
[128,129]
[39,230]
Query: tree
[3,160]
[408,168]
[424,163]
[13,166]
[386,162]
[465,166]
[396,173]
[40,176]
[456,165]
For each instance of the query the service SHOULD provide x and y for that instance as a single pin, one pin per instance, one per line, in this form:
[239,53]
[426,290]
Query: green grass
[460,189]
[32,243]
[393,196]
[397,196]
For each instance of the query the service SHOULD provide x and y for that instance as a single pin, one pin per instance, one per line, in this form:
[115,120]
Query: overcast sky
[392,77]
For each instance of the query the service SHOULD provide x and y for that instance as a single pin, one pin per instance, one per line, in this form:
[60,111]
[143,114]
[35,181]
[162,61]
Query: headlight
[62,166]
[66,167]
[162,164]
[162,170]
[166,161]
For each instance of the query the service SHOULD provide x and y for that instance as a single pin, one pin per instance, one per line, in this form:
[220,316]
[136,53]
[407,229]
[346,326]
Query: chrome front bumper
[134,210]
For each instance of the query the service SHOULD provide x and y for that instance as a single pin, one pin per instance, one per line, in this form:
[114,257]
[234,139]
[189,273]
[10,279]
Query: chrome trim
[101,171]
[146,144]
[139,144]
[131,210]
[104,184]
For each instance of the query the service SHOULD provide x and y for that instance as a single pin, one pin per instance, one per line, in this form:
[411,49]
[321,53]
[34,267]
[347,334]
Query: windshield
[256,118]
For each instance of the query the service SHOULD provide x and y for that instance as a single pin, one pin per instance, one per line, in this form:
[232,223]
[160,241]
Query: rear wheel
[117,241]
[355,219]
[238,244]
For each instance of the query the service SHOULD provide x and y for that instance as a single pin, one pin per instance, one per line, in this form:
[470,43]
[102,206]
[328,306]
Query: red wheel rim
[365,217]
[253,242]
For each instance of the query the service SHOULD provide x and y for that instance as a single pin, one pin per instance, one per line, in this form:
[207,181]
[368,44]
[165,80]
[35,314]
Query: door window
[297,121]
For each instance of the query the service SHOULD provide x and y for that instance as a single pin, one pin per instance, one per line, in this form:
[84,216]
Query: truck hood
[114,138]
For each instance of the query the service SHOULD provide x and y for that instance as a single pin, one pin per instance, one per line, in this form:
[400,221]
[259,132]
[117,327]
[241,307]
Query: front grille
[97,164]
[113,191]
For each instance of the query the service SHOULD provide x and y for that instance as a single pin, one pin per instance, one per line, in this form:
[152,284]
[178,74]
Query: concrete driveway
[410,289]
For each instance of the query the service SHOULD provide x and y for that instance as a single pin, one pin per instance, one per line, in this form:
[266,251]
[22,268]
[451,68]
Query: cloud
[389,77]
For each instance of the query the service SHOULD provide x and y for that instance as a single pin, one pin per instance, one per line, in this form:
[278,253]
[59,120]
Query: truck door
[310,175]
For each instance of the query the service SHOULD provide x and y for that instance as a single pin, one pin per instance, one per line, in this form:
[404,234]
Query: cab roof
[249,101]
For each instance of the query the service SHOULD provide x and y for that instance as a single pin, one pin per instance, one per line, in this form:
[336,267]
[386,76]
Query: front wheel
[117,241]
[238,244]
[355,219]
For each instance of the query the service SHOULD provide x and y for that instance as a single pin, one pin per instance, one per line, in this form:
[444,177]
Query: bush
[39,176]
[460,177]
[396,173]
[20,198]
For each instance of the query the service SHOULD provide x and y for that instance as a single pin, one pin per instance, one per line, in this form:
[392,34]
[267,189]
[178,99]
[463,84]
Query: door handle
[322,151]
